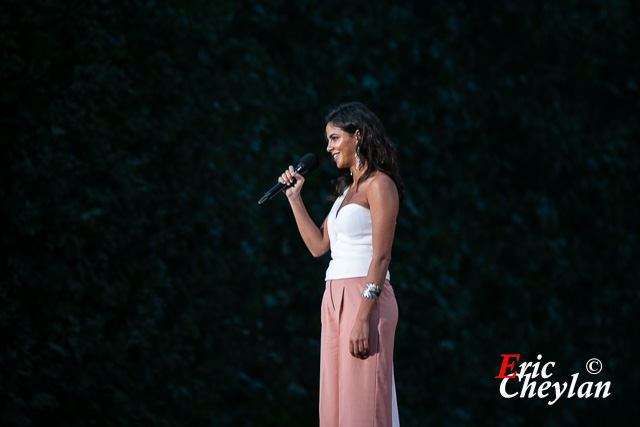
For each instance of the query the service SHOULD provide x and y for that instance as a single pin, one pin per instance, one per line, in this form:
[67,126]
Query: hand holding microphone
[291,180]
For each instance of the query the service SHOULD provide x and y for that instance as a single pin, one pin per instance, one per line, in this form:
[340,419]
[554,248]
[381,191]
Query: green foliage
[142,284]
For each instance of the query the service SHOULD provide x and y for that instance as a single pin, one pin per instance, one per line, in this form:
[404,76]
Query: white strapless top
[350,233]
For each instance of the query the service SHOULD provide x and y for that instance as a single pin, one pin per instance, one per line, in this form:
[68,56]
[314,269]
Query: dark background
[143,285]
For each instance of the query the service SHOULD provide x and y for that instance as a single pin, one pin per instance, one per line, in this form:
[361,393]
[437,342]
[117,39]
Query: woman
[359,310]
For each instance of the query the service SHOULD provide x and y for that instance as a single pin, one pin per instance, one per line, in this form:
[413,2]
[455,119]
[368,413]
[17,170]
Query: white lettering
[583,393]
[600,386]
[531,386]
[536,366]
[523,368]
[573,385]
[552,390]
[545,385]
[503,389]
[559,392]
[544,369]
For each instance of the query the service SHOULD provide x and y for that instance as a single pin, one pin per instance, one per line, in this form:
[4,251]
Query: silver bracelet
[374,288]
[368,294]
[371,291]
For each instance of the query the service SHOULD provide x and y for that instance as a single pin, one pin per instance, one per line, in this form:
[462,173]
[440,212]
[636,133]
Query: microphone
[308,163]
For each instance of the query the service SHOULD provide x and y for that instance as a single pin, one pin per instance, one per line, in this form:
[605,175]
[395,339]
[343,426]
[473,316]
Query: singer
[359,311]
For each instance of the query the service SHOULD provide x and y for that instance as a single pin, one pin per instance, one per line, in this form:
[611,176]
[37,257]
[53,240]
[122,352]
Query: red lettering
[505,365]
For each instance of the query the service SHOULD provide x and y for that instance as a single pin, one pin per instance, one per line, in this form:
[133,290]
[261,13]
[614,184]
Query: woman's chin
[339,165]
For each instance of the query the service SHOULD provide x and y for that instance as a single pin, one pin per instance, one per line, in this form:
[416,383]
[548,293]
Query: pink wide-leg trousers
[356,392]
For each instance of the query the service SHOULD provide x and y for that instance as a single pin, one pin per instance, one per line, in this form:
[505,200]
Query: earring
[358,163]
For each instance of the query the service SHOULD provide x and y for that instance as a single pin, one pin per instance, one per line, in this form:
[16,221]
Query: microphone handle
[272,192]
[279,187]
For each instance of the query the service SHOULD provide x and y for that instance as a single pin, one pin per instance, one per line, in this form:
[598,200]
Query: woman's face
[341,146]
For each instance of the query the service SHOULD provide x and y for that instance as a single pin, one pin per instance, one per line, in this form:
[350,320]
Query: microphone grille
[309,162]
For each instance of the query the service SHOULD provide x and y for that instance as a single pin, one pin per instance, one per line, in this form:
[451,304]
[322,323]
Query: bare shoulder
[381,182]
[381,185]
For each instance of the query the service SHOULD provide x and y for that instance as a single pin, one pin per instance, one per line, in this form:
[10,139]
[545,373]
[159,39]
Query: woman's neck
[357,174]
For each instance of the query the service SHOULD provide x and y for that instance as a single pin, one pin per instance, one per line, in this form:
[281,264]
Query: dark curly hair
[376,151]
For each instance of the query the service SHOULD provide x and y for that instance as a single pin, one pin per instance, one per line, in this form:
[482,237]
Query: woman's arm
[316,239]
[383,199]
